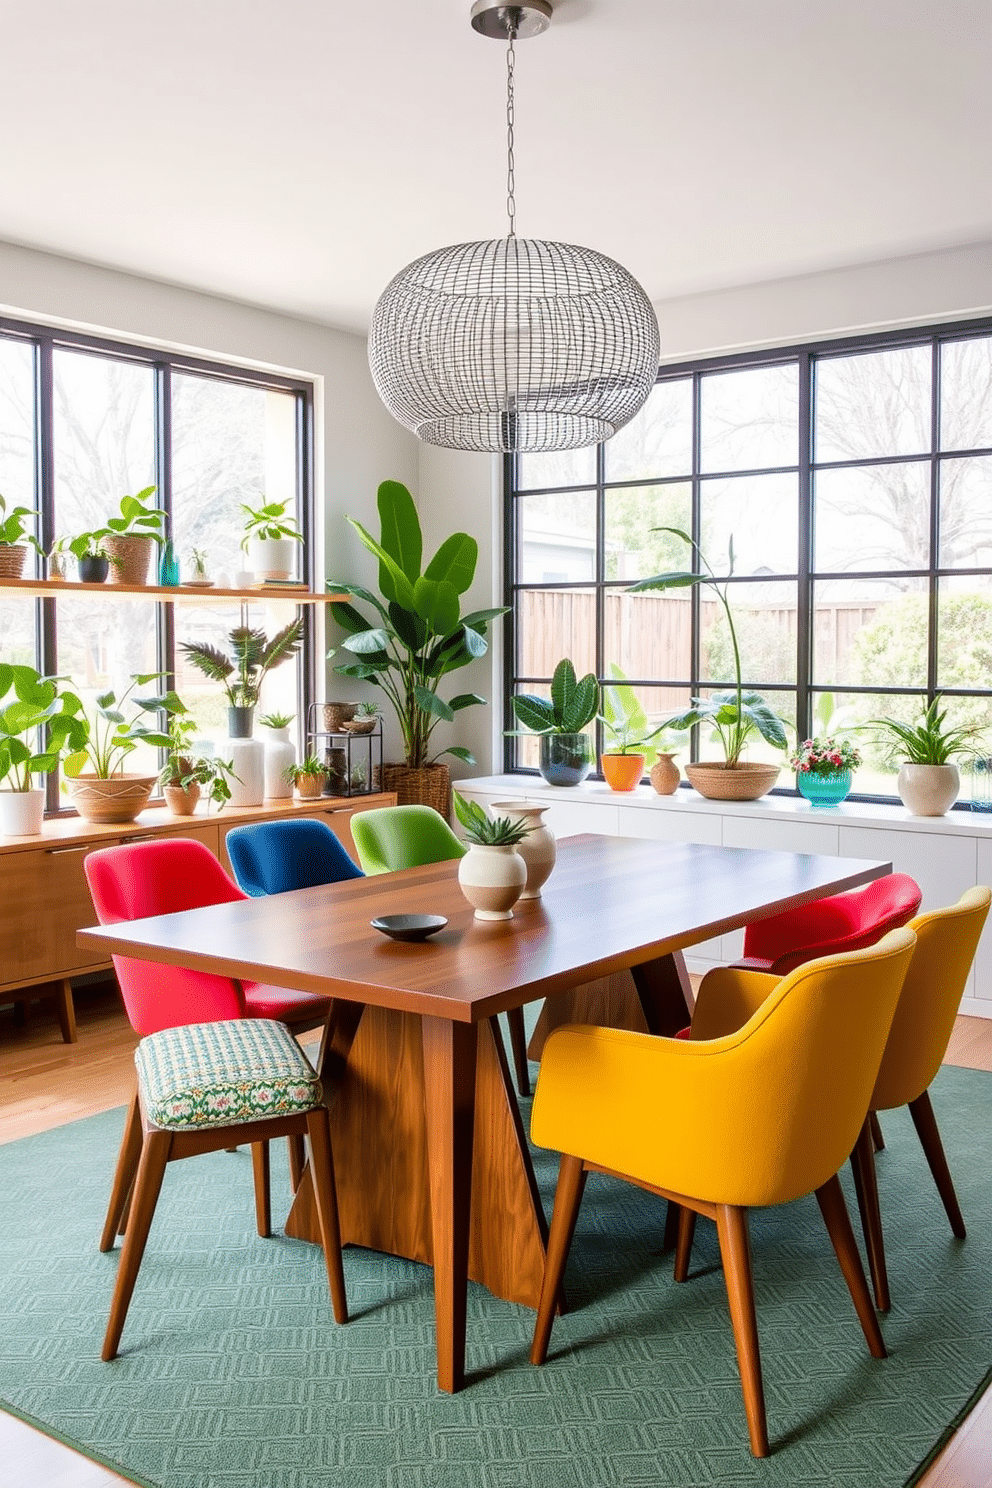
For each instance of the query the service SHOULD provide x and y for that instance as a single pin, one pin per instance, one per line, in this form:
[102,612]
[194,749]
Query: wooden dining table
[430,1154]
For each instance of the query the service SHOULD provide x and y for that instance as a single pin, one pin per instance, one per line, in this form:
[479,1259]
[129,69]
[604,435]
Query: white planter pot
[21,813]
[279,755]
[537,849]
[928,790]
[247,757]
[492,880]
[272,557]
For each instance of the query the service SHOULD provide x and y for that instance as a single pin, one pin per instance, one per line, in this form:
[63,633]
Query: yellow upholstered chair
[669,1115]
[946,942]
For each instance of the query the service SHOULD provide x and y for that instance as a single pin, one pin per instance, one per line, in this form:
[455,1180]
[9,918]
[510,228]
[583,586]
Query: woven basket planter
[12,556]
[129,559]
[117,799]
[718,781]
[428,786]
[335,714]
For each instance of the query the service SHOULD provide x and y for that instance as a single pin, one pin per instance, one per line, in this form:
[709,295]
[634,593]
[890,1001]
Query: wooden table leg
[655,997]
[449,1100]
[665,993]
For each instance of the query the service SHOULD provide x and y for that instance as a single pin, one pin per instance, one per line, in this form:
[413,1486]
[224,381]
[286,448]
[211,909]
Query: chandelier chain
[511,206]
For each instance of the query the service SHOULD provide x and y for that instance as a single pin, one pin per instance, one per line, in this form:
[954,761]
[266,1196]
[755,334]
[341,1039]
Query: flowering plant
[825,756]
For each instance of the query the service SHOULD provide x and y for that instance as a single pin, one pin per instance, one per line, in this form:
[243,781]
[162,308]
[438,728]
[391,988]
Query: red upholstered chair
[844,922]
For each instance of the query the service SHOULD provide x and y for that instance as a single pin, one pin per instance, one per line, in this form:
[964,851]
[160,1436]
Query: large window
[855,479]
[84,422]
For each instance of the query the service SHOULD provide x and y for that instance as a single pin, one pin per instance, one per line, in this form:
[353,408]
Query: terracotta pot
[718,781]
[492,879]
[12,556]
[665,775]
[311,787]
[928,790]
[622,772]
[133,554]
[118,799]
[182,799]
[537,849]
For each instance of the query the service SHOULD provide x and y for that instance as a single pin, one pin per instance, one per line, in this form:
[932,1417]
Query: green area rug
[234,1375]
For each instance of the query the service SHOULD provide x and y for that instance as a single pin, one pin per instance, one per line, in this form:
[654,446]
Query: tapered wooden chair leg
[866,1187]
[683,1249]
[835,1216]
[925,1122]
[127,1167]
[568,1196]
[297,1159]
[518,1045]
[147,1186]
[735,1252]
[878,1141]
[319,1132]
[263,1200]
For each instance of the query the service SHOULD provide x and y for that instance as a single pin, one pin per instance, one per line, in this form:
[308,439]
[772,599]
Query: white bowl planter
[272,557]
[21,813]
[928,790]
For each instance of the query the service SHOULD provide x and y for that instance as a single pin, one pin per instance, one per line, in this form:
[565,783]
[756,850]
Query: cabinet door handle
[83,847]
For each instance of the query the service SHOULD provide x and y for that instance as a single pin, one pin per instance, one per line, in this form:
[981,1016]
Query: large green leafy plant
[113,736]
[734,713]
[571,707]
[29,702]
[252,654]
[418,634]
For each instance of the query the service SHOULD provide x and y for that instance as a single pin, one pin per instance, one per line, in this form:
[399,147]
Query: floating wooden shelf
[187,593]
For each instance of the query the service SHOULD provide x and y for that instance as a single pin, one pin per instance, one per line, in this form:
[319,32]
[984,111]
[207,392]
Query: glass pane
[102,644]
[104,438]
[750,419]
[870,632]
[558,468]
[552,624]
[557,538]
[966,394]
[966,513]
[872,519]
[873,404]
[765,622]
[230,444]
[206,699]
[634,549]
[659,440]
[17,436]
[757,749]
[761,514]
[649,635]
[853,714]
[964,632]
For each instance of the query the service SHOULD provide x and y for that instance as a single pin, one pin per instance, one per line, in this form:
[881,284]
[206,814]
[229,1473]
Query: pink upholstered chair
[844,922]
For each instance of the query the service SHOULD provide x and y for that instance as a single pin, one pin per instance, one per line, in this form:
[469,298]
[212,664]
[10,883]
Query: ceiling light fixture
[515,344]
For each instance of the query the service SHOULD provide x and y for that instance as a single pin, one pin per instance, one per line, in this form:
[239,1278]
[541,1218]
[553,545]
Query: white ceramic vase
[537,849]
[279,755]
[928,790]
[247,758]
[272,557]
[492,880]
[21,812]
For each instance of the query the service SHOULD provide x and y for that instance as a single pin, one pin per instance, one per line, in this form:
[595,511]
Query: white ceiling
[296,153]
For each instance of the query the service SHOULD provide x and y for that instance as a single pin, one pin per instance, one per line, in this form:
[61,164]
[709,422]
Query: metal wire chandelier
[515,344]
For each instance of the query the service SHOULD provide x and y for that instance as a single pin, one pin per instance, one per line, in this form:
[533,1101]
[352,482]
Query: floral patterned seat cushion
[224,1074]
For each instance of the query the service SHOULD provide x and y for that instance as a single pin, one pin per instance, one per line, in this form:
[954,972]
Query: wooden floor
[45,1083]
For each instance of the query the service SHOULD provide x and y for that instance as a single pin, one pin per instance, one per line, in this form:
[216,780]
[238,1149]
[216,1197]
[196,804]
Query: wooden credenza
[44,899]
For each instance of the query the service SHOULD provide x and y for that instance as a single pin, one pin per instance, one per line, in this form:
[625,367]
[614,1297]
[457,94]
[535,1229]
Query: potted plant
[15,539]
[269,540]
[736,715]
[824,767]
[58,558]
[492,874]
[130,538]
[29,702]
[241,673]
[363,721]
[279,755]
[198,568]
[630,739]
[566,752]
[309,777]
[928,782]
[185,773]
[418,636]
[91,556]
[105,793]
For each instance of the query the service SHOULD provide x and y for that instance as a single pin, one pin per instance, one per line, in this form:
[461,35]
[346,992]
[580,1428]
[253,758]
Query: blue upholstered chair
[273,857]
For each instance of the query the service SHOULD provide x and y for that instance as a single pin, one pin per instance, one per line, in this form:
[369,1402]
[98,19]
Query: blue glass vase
[168,566]
[824,790]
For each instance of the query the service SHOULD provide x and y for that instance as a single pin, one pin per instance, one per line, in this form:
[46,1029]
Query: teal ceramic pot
[566,759]
[824,790]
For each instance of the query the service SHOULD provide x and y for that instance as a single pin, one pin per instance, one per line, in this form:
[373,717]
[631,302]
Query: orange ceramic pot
[623,772]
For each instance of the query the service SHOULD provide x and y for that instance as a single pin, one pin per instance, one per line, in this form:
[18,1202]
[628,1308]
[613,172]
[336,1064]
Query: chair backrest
[393,837]
[299,853]
[843,922]
[946,942]
[140,879]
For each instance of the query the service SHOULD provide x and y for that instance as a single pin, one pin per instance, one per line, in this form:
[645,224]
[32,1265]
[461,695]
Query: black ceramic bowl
[409,926]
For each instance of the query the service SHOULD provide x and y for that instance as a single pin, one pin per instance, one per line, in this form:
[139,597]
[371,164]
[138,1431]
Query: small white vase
[928,790]
[492,880]
[538,848]
[272,557]
[247,758]
[21,813]
[279,755]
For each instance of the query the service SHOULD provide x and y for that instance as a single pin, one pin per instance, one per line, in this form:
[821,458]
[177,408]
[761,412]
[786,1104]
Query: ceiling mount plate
[528,18]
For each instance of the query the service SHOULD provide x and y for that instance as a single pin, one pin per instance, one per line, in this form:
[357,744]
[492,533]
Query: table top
[611,903]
